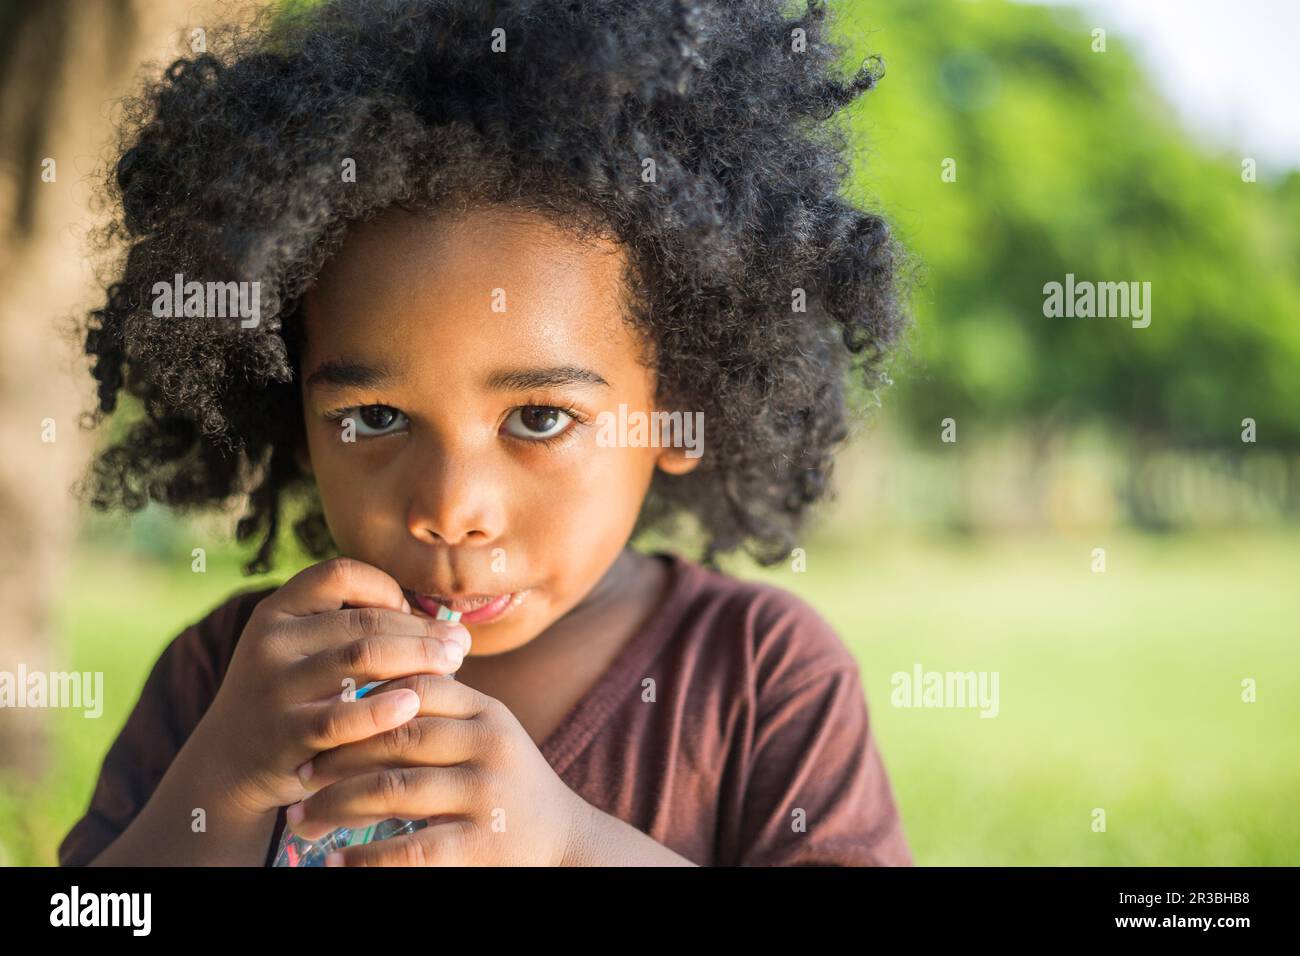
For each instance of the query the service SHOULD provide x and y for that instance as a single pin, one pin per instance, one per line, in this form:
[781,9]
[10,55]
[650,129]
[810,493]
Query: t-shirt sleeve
[817,793]
[176,694]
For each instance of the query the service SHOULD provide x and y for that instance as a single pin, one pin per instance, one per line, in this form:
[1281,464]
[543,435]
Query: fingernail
[293,816]
[461,633]
[405,703]
[334,859]
[406,606]
[305,772]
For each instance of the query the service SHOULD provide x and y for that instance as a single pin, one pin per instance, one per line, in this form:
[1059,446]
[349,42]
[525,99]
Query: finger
[309,635]
[420,742]
[439,695]
[444,843]
[324,726]
[411,793]
[342,671]
[331,584]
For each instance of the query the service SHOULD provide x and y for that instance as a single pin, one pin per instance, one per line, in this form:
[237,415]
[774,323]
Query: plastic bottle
[295,851]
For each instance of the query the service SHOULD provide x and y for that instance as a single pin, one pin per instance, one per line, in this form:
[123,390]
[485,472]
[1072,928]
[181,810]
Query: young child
[473,246]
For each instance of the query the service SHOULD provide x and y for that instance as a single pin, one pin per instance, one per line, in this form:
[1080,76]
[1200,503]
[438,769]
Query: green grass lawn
[1119,691]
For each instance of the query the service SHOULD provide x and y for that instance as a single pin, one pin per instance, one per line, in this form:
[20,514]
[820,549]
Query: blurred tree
[1066,161]
[61,64]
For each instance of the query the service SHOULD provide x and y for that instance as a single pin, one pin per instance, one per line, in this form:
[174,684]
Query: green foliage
[1068,162]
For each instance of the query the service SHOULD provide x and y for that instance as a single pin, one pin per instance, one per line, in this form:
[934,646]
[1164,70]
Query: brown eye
[538,422]
[377,417]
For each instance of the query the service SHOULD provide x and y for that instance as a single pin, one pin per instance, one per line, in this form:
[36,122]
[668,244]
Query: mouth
[473,608]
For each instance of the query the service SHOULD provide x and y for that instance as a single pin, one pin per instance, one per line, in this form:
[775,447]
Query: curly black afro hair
[229,166]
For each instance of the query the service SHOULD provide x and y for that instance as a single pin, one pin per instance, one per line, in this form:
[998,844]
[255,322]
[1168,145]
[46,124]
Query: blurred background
[1010,144]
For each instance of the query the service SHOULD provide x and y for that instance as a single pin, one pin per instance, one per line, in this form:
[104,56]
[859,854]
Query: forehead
[488,280]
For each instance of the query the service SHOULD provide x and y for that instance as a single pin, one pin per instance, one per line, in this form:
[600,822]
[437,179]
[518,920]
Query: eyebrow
[526,379]
[340,373]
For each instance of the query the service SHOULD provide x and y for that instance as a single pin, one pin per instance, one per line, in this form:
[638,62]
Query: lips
[473,608]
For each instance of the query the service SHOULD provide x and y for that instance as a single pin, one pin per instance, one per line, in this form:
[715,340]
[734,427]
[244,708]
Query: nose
[454,502]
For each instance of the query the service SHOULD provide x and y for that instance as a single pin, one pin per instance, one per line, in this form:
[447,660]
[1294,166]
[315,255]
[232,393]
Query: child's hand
[301,656]
[466,758]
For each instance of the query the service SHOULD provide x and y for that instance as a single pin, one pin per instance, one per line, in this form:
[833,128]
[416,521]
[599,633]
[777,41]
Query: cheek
[353,494]
[584,503]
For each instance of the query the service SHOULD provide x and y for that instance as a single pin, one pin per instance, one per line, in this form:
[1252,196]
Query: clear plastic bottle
[295,851]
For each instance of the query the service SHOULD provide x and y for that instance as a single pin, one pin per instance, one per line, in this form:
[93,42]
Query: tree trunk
[63,63]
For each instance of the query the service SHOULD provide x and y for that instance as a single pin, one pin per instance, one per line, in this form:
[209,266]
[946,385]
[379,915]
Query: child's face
[448,485]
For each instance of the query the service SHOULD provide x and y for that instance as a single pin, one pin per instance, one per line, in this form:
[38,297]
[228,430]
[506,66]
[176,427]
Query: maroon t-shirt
[756,749]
